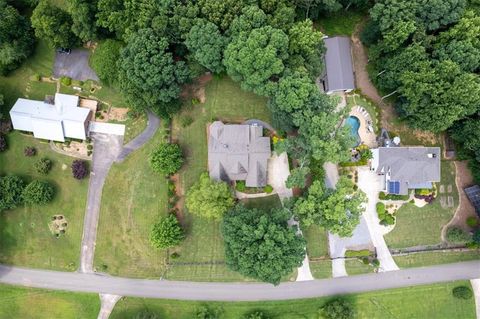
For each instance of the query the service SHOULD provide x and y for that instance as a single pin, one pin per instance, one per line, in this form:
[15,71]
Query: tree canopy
[167,158]
[84,24]
[11,188]
[255,58]
[208,198]
[104,60]
[148,74]
[16,38]
[38,193]
[260,244]
[337,210]
[53,25]
[166,233]
[207,44]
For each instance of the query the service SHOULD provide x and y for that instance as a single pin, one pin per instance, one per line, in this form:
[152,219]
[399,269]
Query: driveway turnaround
[185,290]
[74,65]
[105,151]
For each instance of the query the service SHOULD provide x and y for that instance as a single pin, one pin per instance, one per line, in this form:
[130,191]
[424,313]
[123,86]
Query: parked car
[64,50]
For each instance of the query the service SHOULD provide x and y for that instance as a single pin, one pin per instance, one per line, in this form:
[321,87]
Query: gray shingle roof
[338,64]
[238,152]
[410,166]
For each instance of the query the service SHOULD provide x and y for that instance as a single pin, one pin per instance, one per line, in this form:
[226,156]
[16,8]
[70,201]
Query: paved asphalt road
[237,291]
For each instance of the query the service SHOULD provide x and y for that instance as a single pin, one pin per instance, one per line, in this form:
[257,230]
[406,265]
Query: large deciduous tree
[167,158]
[338,210]
[104,60]
[207,45]
[208,198]
[435,97]
[260,244]
[221,13]
[83,18]
[16,38]
[53,25]
[148,74]
[256,58]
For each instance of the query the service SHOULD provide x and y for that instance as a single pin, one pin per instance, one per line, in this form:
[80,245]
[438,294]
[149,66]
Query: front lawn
[423,226]
[321,268]
[202,252]
[19,302]
[435,258]
[357,267]
[133,198]
[26,239]
[263,203]
[317,241]
[432,301]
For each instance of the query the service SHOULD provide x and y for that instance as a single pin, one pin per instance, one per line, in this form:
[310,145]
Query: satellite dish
[396,140]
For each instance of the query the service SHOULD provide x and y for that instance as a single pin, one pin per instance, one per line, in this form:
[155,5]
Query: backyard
[26,237]
[18,302]
[422,226]
[396,303]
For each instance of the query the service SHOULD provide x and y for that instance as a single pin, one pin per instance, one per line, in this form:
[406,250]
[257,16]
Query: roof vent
[431,155]
[396,140]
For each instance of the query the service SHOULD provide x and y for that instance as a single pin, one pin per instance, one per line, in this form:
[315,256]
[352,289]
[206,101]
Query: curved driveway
[184,290]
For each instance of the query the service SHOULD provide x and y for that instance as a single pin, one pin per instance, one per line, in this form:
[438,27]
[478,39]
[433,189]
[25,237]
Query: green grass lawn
[37,90]
[263,203]
[15,84]
[433,301]
[422,226]
[317,241]
[26,238]
[202,252]
[17,302]
[134,197]
[340,23]
[435,258]
[321,268]
[356,267]
[133,127]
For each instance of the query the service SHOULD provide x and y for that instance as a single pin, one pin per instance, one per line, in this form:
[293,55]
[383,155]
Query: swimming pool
[354,124]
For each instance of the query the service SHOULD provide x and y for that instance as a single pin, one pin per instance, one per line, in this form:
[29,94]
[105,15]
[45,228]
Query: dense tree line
[428,53]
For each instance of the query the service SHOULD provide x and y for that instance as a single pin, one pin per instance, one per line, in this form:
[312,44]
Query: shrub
[43,166]
[11,188]
[268,189]
[66,81]
[29,151]
[79,169]
[376,263]
[338,309]
[388,219]
[476,237]
[3,143]
[166,233]
[472,221]
[257,314]
[240,186]
[423,191]
[205,312]
[38,192]
[186,120]
[384,196]
[457,235]
[36,77]
[89,147]
[174,255]
[462,292]
[381,209]
[166,159]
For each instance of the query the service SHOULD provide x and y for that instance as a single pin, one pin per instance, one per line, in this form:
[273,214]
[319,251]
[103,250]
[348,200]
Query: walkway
[476,291]
[106,149]
[184,290]
[153,123]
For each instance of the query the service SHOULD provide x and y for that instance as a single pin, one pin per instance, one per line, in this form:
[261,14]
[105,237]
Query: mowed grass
[16,302]
[202,252]
[321,268]
[357,267]
[423,226]
[263,203]
[317,241]
[432,301]
[25,236]
[435,258]
[133,199]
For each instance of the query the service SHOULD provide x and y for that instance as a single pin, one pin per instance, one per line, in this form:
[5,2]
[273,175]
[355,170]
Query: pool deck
[367,137]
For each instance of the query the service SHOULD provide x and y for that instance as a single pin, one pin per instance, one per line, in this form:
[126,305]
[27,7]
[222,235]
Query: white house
[64,118]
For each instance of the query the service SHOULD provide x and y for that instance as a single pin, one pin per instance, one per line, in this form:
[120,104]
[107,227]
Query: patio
[365,131]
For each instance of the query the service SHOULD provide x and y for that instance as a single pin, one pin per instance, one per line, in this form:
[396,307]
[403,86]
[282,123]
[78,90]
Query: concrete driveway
[369,183]
[74,65]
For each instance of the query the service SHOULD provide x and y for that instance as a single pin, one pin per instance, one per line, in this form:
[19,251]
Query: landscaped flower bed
[241,187]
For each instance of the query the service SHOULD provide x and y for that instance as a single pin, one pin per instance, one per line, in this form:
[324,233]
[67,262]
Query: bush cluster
[462,292]
[38,193]
[384,196]
[385,217]
[338,309]
[456,235]
[166,159]
[80,169]
[43,166]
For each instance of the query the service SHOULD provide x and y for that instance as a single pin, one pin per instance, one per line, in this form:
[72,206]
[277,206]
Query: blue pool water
[354,124]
